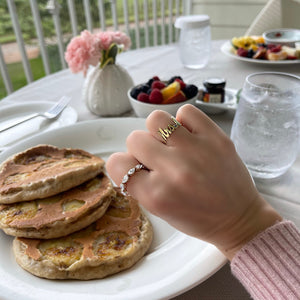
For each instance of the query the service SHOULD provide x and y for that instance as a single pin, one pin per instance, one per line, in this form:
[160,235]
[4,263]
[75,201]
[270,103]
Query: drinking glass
[265,128]
[194,40]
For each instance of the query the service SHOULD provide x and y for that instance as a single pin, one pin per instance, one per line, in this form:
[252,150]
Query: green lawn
[17,74]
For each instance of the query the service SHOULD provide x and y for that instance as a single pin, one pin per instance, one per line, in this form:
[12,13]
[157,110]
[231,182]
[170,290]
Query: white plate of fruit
[254,49]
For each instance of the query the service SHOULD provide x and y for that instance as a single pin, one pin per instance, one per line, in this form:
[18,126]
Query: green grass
[18,77]
[7,39]
[17,74]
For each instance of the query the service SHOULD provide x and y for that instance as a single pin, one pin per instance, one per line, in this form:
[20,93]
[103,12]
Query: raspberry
[270,46]
[291,57]
[157,85]
[182,84]
[242,52]
[151,80]
[275,49]
[156,96]
[143,97]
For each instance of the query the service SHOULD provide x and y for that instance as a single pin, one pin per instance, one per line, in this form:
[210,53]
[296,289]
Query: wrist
[256,219]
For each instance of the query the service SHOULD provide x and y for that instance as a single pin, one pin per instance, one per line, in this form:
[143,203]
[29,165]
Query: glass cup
[265,128]
[194,40]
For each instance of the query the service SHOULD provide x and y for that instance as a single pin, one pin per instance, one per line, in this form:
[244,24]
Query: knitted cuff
[269,265]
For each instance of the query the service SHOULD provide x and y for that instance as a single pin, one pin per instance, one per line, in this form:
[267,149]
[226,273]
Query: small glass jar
[214,90]
[194,40]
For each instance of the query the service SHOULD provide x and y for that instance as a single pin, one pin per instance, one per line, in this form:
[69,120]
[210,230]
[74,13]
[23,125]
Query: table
[283,193]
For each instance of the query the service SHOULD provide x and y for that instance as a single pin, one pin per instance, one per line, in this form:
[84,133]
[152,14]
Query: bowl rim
[266,33]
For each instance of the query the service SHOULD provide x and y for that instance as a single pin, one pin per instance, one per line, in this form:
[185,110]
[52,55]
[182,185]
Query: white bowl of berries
[163,95]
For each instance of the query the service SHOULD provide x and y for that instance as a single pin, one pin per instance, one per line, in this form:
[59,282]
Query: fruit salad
[254,47]
[156,91]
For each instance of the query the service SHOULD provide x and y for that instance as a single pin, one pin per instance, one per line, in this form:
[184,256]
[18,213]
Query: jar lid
[214,82]
[194,21]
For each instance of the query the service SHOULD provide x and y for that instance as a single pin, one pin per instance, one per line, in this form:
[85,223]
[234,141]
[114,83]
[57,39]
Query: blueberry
[149,91]
[135,91]
[172,79]
[145,88]
[190,91]
[250,53]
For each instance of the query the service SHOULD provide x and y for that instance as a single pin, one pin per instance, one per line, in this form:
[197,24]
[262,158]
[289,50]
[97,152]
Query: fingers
[145,148]
[164,128]
[191,118]
[195,120]
[117,167]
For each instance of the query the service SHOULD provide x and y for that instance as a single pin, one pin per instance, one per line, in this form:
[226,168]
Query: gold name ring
[165,133]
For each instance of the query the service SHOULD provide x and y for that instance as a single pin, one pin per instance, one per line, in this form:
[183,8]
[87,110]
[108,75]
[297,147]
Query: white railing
[160,19]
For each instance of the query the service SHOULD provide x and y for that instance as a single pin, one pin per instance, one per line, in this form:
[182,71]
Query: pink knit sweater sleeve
[269,265]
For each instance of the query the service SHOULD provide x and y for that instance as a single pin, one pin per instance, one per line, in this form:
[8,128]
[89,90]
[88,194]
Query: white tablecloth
[283,193]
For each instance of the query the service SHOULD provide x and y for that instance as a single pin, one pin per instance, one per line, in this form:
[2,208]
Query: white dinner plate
[174,263]
[226,48]
[15,111]
[230,103]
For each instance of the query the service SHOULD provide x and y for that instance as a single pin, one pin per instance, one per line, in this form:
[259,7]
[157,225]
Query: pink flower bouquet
[89,49]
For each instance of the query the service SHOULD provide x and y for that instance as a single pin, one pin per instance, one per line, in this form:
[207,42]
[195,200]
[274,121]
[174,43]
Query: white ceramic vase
[105,90]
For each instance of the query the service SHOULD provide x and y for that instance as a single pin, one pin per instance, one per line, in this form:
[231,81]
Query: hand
[195,181]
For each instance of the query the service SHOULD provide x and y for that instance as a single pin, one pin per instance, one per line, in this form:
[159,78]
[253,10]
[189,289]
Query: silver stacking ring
[130,173]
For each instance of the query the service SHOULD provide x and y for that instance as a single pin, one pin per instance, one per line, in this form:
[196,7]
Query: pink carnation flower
[121,38]
[82,51]
[106,39]
[85,50]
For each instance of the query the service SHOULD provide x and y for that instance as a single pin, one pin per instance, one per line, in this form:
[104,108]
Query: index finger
[197,121]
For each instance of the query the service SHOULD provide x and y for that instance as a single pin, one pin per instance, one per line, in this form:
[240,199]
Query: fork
[52,113]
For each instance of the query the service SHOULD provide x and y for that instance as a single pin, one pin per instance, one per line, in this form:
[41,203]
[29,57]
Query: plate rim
[214,257]
[220,107]
[225,48]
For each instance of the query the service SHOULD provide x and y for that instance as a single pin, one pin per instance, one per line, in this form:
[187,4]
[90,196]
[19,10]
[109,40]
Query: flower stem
[109,56]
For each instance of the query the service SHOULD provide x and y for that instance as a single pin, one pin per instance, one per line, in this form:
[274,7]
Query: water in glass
[265,130]
[194,40]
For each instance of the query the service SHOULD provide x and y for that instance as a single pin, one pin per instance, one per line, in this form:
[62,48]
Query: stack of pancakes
[68,220]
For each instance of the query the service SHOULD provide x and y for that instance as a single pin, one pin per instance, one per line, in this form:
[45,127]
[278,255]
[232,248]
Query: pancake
[44,171]
[61,214]
[113,243]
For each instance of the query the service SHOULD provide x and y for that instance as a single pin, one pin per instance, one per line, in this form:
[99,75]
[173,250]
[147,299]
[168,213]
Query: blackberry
[172,79]
[190,91]
[149,82]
